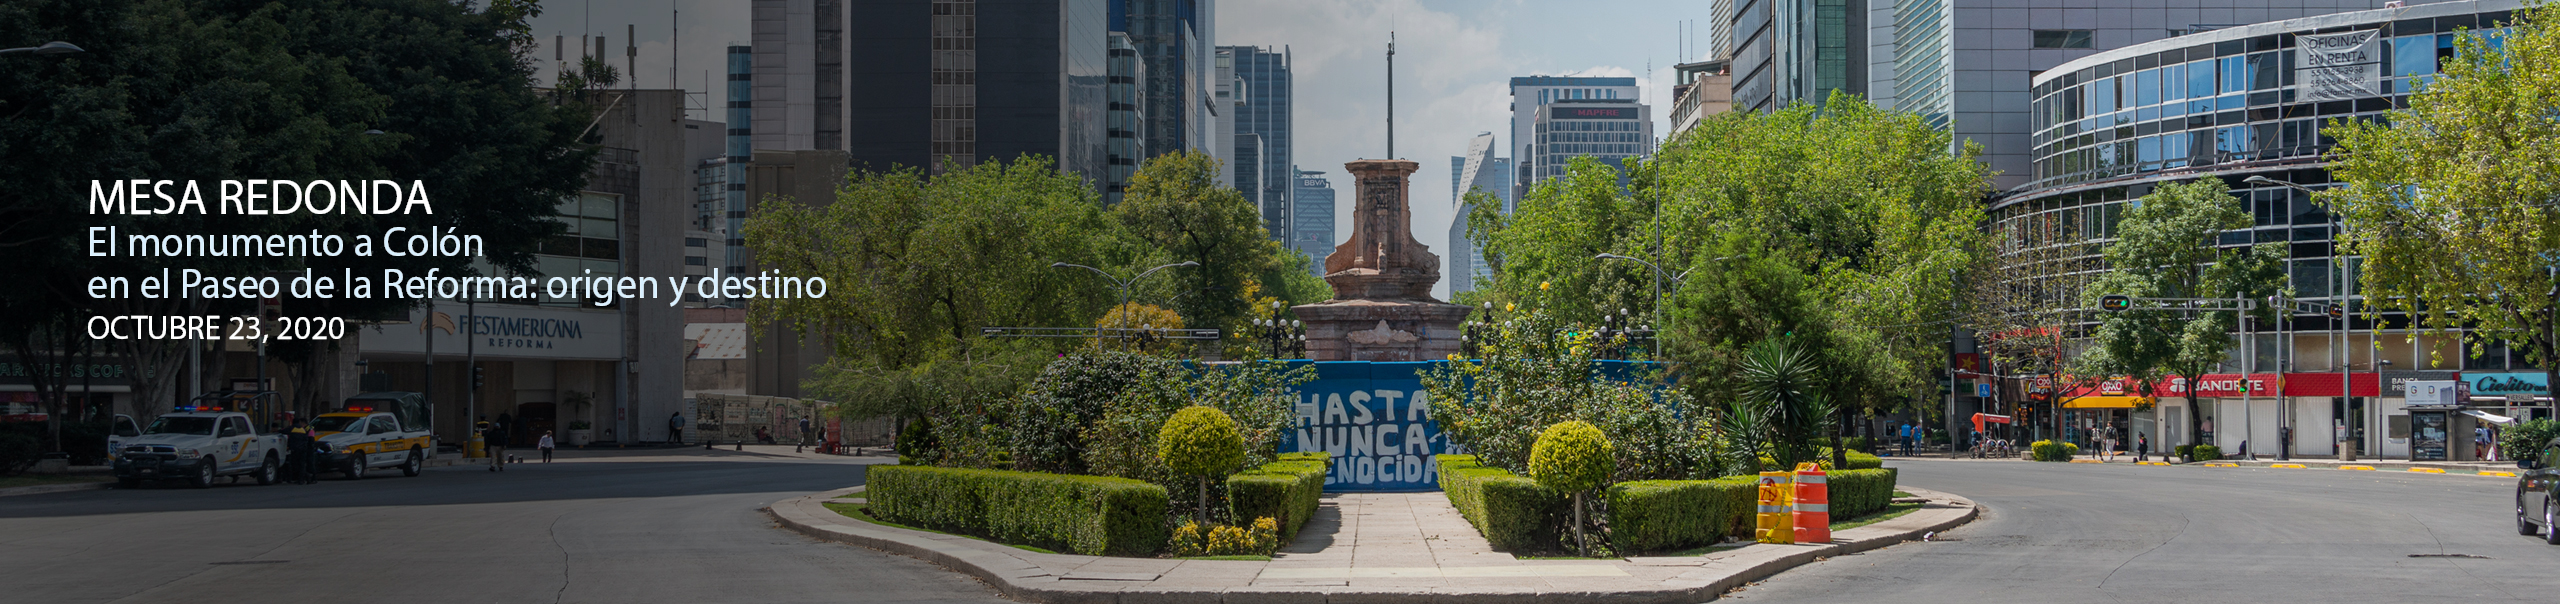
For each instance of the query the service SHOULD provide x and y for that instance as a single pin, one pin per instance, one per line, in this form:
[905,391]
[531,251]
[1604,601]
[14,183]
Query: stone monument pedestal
[1382,308]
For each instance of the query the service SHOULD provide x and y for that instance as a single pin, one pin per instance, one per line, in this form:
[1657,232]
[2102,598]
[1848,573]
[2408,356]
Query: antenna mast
[1391,94]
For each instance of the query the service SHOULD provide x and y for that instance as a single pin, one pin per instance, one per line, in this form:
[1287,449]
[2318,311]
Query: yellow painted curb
[2086,461]
[2150,463]
[2222,465]
[2427,470]
[2497,473]
[2289,465]
[2355,467]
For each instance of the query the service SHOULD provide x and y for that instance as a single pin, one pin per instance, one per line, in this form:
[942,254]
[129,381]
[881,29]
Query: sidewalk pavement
[1362,547]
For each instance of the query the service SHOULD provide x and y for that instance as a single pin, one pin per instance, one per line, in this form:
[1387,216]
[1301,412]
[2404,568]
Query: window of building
[2062,38]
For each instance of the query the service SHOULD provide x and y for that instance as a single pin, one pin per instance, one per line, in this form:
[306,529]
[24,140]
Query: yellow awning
[2104,402]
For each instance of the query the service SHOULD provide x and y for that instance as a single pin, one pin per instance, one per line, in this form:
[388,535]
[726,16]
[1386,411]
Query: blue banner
[1375,419]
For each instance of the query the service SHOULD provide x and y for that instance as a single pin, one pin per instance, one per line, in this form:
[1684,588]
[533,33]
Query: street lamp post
[2338,266]
[1660,321]
[1121,283]
[49,49]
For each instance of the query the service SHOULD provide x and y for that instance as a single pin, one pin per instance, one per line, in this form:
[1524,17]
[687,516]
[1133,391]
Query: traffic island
[1362,547]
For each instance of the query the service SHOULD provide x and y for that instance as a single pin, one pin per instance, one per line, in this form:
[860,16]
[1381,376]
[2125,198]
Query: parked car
[120,429]
[2538,494]
[197,446]
[359,441]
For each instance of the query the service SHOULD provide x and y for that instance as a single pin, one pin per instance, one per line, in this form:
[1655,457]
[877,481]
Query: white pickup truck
[198,446]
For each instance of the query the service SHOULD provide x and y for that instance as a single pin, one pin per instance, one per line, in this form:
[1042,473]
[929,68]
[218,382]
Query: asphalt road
[672,526]
[2065,533]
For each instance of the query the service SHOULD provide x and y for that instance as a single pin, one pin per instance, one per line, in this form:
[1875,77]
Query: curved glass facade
[2231,104]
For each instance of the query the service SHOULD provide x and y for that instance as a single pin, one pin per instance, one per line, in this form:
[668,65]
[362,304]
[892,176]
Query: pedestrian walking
[2480,443]
[675,428]
[494,442]
[2141,447]
[545,446]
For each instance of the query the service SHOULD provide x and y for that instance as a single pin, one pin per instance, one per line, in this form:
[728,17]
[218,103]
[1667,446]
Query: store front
[544,368]
[2496,400]
[2324,415]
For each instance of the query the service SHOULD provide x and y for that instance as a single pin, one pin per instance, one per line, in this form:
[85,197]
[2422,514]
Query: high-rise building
[1962,65]
[1128,111]
[1783,51]
[1312,232]
[1610,130]
[1478,170]
[1705,88]
[924,82]
[1264,112]
[1177,42]
[732,219]
[1224,100]
[1529,99]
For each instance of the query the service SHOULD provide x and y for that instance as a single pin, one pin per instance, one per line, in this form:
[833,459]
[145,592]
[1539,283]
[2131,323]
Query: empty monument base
[1381,330]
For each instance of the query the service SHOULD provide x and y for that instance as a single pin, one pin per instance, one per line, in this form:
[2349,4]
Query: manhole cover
[2449,556]
[249,562]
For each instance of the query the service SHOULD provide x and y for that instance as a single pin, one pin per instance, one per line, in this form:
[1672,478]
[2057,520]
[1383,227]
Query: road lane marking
[2150,463]
[1444,572]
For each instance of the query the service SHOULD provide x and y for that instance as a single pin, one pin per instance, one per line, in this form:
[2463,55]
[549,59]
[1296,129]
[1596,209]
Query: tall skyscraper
[1529,98]
[1264,113]
[924,82]
[1177,42]
[1478,170]
[730,221]
[1128,111]
[1313,223]
[1963,65]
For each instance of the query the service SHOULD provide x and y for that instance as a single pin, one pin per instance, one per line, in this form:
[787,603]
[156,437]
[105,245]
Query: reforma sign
[502,331]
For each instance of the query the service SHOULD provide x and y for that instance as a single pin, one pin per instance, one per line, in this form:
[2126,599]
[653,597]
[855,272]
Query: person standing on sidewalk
[2141,447]
[545,446]
[675,428]
[494,442]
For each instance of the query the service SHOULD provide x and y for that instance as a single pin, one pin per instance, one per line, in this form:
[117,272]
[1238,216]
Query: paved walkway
[1362,546]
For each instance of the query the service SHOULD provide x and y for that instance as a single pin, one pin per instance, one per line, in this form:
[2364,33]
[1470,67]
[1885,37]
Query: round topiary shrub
[1573,457]
[1203,442]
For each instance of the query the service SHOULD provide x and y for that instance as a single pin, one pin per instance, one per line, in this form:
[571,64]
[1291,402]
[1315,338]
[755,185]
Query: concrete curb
[1019,574]
[57,488]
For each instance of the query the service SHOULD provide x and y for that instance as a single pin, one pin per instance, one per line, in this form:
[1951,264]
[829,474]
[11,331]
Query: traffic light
[475,377]
[2115,303]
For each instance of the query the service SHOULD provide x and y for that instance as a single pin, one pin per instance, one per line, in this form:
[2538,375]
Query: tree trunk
[1203,512]
[1580,542]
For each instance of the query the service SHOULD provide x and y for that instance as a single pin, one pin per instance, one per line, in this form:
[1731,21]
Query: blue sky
[1453,61]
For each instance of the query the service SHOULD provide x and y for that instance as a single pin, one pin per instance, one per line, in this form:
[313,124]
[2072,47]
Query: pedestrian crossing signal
[2337,311]
[2115,303]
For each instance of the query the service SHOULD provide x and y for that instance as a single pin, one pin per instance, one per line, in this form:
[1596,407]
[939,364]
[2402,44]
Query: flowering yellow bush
[1192,540]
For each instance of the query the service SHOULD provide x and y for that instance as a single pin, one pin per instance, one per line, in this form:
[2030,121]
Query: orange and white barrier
[1773,525]
[1813,504]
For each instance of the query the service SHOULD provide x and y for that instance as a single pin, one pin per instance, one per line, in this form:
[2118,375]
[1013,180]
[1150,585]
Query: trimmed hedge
[1091,515]
[2204,453]
[1857,461]
[1855,492]
[1287,490]
[1512,511]
[1658,515]
[2046,450]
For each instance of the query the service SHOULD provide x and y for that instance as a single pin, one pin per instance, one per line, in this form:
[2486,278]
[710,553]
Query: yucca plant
[1782,384]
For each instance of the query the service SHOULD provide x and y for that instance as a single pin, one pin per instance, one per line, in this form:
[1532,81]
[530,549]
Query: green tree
[1177,210]
[1782,387]
[917,266]
[2450,202]
[1572,457]
[2166,248]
